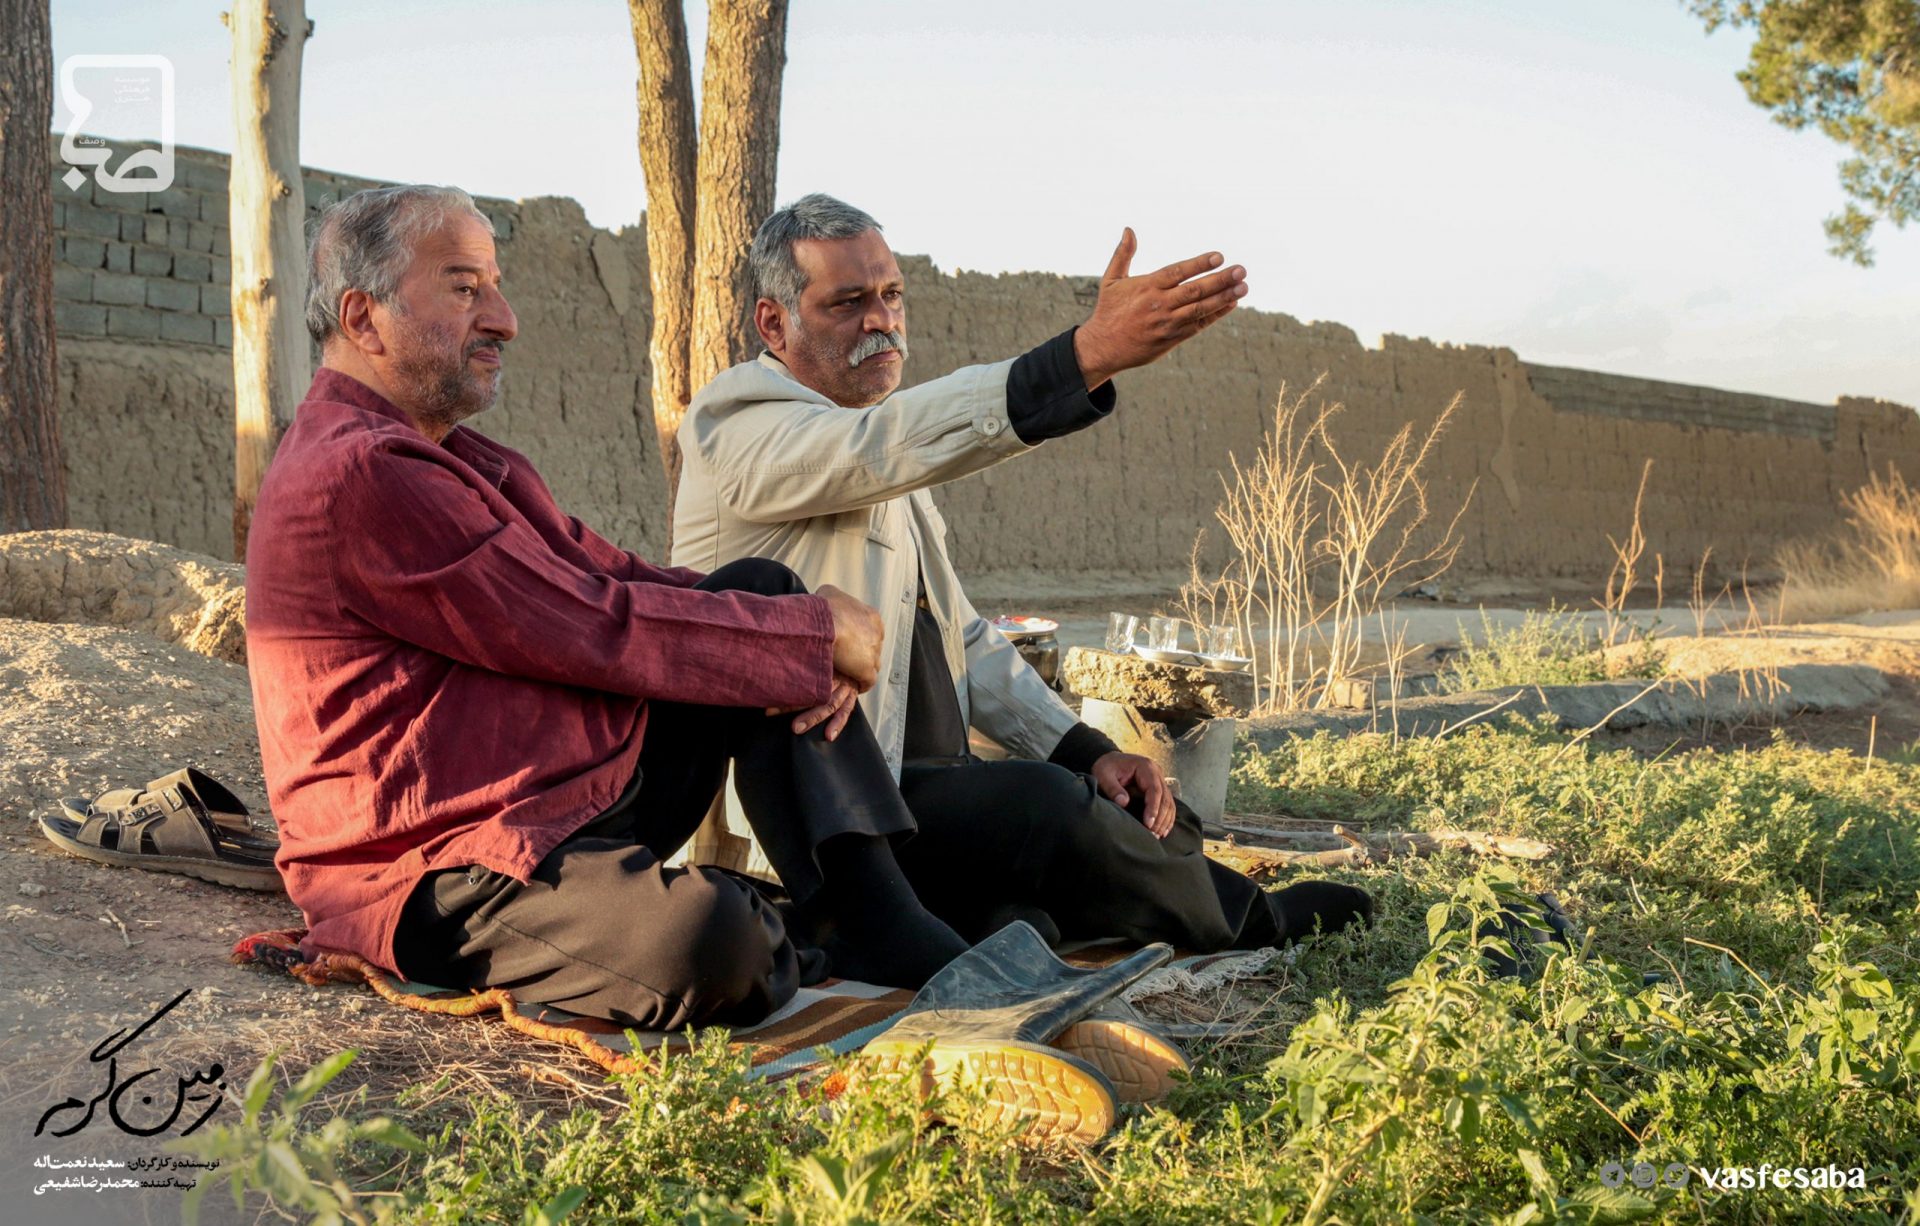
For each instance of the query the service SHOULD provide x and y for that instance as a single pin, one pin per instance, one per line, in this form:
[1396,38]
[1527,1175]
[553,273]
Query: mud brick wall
[1552,456]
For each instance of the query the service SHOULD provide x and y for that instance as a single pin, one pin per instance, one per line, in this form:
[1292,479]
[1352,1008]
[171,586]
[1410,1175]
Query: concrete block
[59,214]
[216,300]
[133,227]
[116,289]
[173,295]
[83,252]
[156,230]
[1167,690]
[83,193]
[120,202]
[220,246]
[322,192]
[134,323]
[200,236]
[201,176]
[95,222]
[193,329]
[1195,755]
[192,266]
[223,333]
[79,319]
[176,201]
[222,270]
[72,284]
[119,257]
[152,261]
[214,207]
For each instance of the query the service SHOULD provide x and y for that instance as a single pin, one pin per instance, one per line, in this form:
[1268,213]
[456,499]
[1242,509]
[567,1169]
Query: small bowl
[1226,664]
[1159,656]
[1018,628]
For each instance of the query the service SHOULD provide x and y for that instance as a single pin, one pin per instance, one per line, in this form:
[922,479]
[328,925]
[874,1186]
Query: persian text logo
[117,91]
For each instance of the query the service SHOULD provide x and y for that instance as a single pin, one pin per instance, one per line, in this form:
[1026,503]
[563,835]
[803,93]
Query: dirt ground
[88,949]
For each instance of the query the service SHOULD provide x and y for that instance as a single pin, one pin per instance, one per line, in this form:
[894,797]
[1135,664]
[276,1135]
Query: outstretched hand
[1137,319]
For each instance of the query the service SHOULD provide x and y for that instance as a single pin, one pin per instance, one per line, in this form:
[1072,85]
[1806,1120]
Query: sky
[1583,181]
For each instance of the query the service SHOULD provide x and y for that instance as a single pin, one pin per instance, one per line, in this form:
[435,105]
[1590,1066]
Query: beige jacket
[776,470]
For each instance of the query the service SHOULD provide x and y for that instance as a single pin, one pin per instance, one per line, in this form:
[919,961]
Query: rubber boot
[987,1018]
[1135,1056]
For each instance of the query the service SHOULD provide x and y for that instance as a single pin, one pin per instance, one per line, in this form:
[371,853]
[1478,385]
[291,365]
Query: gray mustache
[878,342]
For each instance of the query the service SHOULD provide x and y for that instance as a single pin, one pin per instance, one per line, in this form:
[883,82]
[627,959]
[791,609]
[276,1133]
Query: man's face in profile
[848,337]
[448,325]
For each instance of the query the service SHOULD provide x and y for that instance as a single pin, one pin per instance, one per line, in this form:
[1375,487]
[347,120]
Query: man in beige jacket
[809,456]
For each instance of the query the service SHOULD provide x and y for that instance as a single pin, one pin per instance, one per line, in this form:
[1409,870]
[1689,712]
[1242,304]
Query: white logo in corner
[119,91]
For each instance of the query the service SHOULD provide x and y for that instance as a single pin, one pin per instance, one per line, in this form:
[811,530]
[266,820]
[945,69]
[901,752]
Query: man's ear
[770,320]
[356,322]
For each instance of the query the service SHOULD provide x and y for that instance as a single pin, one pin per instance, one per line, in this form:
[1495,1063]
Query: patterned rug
[826,1020]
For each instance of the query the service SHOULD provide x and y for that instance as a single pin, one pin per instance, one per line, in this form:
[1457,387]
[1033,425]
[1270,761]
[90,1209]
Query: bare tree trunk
[33,474]
[739,147]
[267,211]
[666,161]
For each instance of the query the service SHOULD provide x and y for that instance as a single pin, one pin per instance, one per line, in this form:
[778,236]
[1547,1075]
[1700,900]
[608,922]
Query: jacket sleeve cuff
[1047,396]
[1081,747]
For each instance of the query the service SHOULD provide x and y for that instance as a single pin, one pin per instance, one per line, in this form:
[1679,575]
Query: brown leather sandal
[182,823]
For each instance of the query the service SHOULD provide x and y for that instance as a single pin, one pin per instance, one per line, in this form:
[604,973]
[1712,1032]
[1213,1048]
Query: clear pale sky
[1583,181]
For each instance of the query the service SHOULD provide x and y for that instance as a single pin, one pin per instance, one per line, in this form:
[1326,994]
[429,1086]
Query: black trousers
[1031,840]
[604,928]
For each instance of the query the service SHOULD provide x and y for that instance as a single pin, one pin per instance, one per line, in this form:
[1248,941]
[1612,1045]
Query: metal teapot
[1034,638]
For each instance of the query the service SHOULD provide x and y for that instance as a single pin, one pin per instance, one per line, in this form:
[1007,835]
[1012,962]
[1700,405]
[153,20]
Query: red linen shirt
[447,669]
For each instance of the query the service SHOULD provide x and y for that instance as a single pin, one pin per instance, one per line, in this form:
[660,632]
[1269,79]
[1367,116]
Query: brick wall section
[1551,456]
[145,266]
[1584,391]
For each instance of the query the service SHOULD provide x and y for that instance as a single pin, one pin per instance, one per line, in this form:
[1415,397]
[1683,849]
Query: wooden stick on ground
[1259,852]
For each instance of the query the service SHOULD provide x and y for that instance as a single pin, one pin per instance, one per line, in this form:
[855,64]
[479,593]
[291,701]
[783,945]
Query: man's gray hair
[366,241]
[776,274]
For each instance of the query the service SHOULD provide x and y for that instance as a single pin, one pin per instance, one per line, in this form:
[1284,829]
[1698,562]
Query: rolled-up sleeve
[434,561]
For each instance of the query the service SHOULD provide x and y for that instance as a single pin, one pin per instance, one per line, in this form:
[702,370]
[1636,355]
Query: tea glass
[1122,629]
[1163,633]
[1223,642]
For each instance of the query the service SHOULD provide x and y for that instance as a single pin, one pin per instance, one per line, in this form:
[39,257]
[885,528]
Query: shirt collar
[469,447]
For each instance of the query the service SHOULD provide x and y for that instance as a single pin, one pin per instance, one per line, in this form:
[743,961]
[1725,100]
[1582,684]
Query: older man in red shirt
[485,728]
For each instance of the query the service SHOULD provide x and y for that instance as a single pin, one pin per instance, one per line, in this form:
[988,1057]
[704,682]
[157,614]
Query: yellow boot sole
[1047,1094]
[1138,1062]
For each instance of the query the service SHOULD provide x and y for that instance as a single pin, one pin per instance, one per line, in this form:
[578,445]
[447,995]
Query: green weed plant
[1550,646]
[1747,992]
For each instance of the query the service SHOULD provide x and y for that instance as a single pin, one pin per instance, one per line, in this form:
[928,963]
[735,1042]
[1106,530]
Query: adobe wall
[1556,454]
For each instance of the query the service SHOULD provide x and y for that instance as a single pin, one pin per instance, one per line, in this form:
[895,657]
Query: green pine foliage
[1851,69]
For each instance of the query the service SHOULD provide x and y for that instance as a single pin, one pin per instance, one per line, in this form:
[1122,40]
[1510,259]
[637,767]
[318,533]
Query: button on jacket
[448,670]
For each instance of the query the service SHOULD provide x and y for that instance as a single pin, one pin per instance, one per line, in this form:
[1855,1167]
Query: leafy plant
[1748,992]
[1549,647]
[298,1167]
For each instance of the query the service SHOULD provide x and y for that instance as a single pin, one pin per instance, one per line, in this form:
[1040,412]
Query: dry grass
[1873,563]
[1317,542]
[1626,572]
